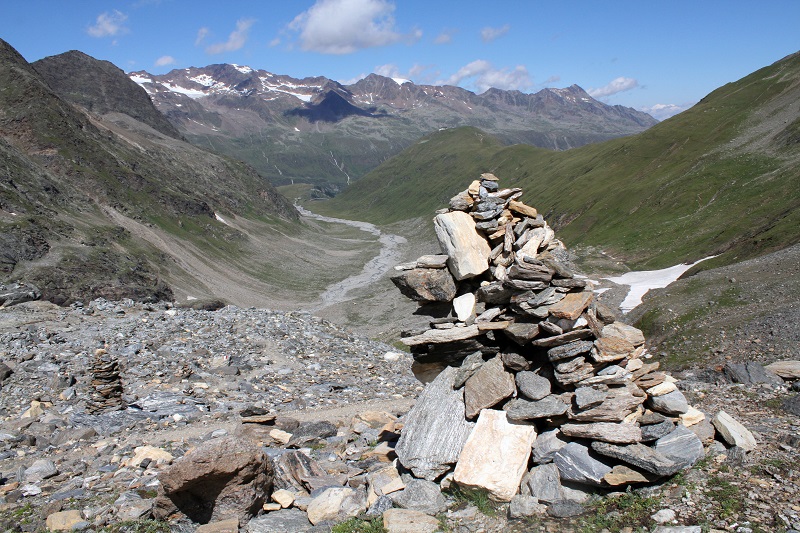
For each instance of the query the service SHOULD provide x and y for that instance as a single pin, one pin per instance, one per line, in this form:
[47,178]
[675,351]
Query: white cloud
[664,111]
[446,37]
[489,34]
[202,33]
[344,26]
[617,85]
[482,75]
[164,61]
[275,42]
[109,24]
[236,39]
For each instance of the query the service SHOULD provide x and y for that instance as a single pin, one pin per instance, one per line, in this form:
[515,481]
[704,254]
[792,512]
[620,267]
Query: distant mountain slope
[316,130]
[66,170]
[720,178]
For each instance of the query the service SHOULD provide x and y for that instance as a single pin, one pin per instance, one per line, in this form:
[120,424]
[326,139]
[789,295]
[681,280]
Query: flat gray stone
[673,403]
[575,464]
[546,446]
[522,332]
[588,397]
[544,482]
[469,366]
[421,495]
[751,373]
[566,351]
[565,509]
[532,385]
[681,446]
[435,429]
[616,433]
[559,340]
[521,410]
[40,469]
[280,522]
[656,431]
[620,402]
[426,284]
[525,506]
[640,456]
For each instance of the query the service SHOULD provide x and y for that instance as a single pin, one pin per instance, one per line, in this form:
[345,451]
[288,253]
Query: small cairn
[538,387]
[106,385]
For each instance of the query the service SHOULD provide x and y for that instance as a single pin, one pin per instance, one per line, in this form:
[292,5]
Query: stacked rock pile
[106,384]
[542,388]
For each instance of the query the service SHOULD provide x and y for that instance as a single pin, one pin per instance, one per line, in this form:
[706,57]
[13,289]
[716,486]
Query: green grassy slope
[720,178]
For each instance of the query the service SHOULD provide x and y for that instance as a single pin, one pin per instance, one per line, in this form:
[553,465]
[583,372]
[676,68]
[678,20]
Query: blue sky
[657,56]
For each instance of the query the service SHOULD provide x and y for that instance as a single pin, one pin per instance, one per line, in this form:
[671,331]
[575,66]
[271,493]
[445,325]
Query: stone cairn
[106,385]
[539,388]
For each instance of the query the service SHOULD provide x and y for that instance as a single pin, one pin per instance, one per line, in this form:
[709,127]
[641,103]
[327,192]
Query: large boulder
[426,284]
[220,479]
[468,251]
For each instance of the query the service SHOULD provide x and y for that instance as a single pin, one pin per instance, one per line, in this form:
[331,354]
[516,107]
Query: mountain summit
[320,131]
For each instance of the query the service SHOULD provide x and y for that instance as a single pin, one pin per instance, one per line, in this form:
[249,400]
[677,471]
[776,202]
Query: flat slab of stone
[604,431]
[408,521]
[619,403]
[441,336]
[575,464]
[63,520]
[624,475]
[435,429]
[750,372]
[495,456]
[468,252]
[682,446]
[629,333]
[546,446]
[572,305]
[558,340]
[490,384]
[733,432]
[640,456]
[421,495]
[786,369]
[281,521]
[521,410]
[569,350]
[609,349]
[522,332]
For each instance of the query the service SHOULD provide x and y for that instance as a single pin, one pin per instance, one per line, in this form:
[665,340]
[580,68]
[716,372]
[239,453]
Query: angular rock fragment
[544,482]
[733,432]
[681,446]
[490,384]
[604,431]
[426,284]
[575,464]
[672,403]
[572,305]
[520,410]
[435,429]
[532,385]
[640,456]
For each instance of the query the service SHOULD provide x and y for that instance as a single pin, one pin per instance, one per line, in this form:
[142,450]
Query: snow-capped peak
[242,68]
[401,81]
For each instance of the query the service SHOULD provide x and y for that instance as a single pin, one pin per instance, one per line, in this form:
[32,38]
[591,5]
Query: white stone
[283,497]
[692,416]
[157,455]
[734,432]
[467,250]
[662,388]
[624,331]
[335,503]
[464,306]
[280,436]
[663,516]
[785,369]
[495,456]
[408,521]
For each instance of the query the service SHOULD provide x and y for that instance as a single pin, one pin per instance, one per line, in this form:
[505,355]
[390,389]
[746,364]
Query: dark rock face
[101,88]
[221,478]
[426,284]
[750,373]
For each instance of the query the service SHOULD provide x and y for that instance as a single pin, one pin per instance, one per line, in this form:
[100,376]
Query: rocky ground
[188,376]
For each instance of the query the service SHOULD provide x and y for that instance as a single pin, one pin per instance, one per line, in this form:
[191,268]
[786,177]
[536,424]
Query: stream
[373,270]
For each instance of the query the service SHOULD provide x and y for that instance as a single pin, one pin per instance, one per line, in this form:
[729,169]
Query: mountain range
[316,130]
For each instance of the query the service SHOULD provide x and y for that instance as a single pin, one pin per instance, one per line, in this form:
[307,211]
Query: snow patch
[191,93]
[220,219]
[205,80]
[140,79]
[642,281]
[401,81]
[242,68]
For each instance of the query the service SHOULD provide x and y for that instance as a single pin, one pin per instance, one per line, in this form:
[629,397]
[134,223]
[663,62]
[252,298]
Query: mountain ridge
[271,120]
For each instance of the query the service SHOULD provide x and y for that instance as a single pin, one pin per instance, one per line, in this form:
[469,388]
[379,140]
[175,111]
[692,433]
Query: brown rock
[610,349]
[426,284]
[522,209]
[487,387]
[572,305]
[222,478]
[624,475]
